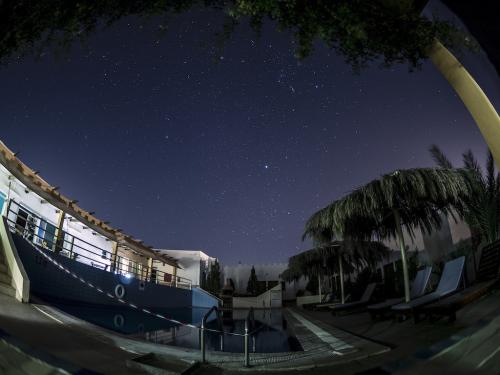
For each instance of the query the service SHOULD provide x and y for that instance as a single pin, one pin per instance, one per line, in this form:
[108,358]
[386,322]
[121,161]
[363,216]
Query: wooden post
[401,240]
[57,246]
[114,254]
[150,268]
[341,279]
[319,287]
[175,275]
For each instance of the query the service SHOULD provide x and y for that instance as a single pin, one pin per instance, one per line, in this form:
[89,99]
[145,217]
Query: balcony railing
[43,234]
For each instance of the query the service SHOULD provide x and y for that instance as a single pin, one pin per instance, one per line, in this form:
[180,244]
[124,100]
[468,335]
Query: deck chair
[327,298]
[331,303]
[363,301]
[418,288]
[487,278]
[448,284]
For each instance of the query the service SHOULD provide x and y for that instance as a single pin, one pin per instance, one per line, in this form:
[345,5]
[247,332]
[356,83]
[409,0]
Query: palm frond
[490,173]
[420,196]
[324,260]
[439,157]
[471,163]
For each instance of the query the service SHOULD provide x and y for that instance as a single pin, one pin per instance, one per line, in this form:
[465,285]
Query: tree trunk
[475,100]
[341,277]
[401,241]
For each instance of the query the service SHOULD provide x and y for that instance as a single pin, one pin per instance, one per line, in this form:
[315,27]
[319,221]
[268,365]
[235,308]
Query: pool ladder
[249,324]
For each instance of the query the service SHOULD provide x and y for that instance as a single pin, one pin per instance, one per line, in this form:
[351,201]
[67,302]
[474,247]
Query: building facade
[193,264]
[63,252]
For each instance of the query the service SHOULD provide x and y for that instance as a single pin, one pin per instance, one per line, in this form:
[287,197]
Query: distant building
[269,273]
[194,264]
[436,244]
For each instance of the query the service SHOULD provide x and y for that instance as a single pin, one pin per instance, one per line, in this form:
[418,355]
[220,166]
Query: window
[2,201]
[25,224]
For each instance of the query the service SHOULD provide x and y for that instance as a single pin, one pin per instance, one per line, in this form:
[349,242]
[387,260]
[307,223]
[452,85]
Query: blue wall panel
[48,280]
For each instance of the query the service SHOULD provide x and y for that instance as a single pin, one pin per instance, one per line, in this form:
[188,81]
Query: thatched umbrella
[402,199]
[332,257]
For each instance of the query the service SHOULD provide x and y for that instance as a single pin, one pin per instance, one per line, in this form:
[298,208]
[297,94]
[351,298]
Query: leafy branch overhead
[360,30]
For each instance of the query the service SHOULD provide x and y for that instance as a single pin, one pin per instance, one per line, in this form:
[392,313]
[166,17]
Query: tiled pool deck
[53,339]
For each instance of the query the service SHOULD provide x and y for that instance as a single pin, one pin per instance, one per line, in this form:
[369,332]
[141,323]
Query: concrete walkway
[47,339]
[13,361]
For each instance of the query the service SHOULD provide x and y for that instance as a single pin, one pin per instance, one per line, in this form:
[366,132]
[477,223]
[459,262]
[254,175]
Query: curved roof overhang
[38,185]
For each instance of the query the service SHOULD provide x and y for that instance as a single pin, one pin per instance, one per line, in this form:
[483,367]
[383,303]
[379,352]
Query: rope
[146,311]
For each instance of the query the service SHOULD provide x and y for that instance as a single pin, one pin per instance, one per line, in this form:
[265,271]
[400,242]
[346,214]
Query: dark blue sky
[184,146]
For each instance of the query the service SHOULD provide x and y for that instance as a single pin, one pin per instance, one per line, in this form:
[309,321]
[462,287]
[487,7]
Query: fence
[40,232]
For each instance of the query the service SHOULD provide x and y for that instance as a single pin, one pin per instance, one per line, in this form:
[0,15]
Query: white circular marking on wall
[119,291]
[118,320]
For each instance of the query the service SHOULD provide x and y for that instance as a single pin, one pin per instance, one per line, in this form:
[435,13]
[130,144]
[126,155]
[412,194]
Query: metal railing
[249,324]
[203,328]
[44,234]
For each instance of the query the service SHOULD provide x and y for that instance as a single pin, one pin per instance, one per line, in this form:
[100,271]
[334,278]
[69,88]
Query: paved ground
[66,346]
[13,361]
[38,337]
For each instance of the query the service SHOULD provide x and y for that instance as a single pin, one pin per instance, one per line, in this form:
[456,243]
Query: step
[5,278]
[7,289]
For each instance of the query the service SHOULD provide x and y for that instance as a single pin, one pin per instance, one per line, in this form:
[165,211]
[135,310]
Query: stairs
[5,279]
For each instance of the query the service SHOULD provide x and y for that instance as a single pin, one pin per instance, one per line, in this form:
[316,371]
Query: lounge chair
[363,301]
[448,284]
[450,305]
[487,278]
[327,298]
[418,288]
[331,303]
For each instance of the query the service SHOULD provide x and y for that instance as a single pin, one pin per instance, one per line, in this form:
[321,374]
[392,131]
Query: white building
[194,264]
[52,220]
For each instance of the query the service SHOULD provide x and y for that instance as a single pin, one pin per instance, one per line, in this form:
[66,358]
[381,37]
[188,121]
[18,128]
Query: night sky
[186,146]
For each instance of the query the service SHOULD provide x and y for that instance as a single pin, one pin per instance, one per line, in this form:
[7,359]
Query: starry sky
[188,146]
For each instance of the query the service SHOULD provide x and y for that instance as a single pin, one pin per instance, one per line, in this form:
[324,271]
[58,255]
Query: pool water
[271,333]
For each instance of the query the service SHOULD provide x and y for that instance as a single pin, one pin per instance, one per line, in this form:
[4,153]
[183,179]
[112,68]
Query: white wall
[240,274]
[269,299]
[193,263]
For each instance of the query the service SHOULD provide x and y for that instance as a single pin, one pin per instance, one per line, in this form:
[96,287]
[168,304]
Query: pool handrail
[203,328]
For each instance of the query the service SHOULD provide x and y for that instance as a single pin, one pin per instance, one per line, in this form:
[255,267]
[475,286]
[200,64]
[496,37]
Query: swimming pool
[271,333]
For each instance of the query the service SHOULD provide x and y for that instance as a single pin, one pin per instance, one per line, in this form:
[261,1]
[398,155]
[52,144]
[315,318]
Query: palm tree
[408,199]
[333,257]
[482,206]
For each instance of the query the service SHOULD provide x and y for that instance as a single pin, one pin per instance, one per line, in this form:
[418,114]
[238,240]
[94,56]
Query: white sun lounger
[363,301]
[418,288]
[448,284]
